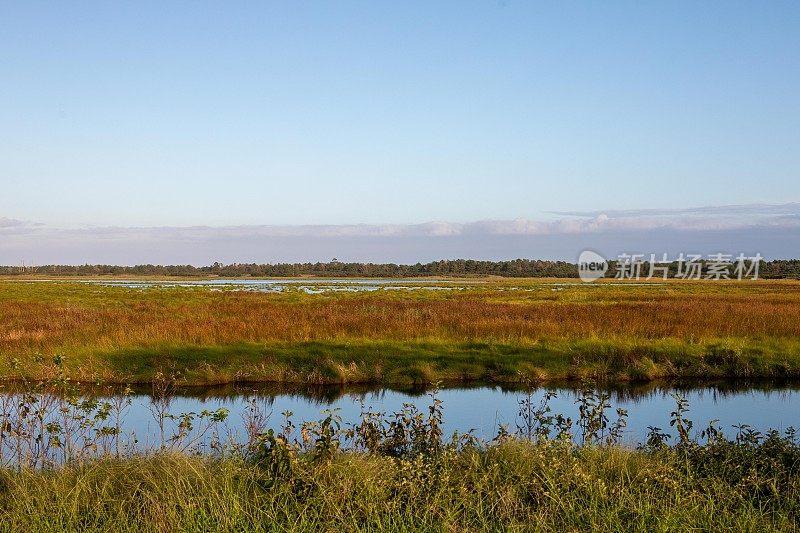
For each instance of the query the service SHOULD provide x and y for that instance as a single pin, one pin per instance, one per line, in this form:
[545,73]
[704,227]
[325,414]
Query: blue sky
[312,113]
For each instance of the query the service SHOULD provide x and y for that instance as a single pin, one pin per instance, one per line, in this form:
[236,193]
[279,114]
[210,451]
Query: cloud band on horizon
[744,228]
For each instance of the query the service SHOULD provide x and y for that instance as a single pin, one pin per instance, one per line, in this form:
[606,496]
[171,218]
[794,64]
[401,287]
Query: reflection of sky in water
[482,409]
[310,286]
[319,286]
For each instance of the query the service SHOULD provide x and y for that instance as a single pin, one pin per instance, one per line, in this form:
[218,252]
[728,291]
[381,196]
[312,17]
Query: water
[310,286]
[320,285]
[483,408]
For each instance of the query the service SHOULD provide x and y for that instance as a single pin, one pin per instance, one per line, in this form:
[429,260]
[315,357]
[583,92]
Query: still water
[482,409]
[310,286]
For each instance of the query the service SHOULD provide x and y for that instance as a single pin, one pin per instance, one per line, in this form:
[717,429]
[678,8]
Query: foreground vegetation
[490,330]
[397,472]
[513,486]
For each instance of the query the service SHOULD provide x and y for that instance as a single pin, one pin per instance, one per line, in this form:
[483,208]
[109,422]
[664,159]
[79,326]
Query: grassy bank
[494,330]
[515,486]
[421,363]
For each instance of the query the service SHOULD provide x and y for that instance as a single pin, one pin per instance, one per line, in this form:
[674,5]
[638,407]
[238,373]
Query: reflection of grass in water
[495,331]
[323,395]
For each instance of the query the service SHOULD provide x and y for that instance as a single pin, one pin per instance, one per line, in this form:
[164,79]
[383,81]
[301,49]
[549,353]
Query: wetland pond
[481,409]
[327,285]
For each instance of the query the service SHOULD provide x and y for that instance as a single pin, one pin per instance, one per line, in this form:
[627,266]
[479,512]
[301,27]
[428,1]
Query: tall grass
[514,486]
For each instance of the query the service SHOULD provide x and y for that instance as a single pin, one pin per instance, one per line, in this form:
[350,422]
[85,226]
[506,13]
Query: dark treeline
[459,268]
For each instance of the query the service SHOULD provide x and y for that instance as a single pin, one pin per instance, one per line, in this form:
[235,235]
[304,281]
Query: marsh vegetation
[494,331]
[69,464]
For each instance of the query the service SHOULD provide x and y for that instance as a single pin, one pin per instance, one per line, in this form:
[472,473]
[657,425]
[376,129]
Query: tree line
[517,268]
[458,267]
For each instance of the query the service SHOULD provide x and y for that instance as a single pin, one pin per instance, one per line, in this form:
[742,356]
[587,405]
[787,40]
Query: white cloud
[12,223]
[617,230]
[745,210]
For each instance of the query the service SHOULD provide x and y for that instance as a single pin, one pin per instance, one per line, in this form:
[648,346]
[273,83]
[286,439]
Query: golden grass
[135,318]
[91,320]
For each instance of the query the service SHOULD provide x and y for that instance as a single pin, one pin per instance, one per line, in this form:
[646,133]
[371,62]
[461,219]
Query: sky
[428,127]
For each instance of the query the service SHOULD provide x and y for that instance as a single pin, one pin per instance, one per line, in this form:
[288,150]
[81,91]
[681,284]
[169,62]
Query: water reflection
[626,392]
[309,286]
[480,408]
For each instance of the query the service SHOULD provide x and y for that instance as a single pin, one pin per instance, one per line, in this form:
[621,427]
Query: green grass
[421,363]
[516,486]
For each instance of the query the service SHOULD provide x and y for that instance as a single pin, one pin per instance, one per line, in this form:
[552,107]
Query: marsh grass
[493,331]
[513,486]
